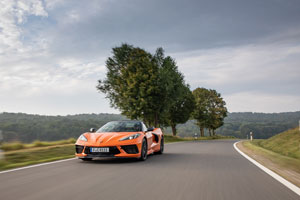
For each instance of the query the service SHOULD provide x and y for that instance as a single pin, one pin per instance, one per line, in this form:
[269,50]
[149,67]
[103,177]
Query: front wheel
[144,150]
[162,146]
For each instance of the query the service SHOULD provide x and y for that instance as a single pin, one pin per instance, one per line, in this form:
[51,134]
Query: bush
[38,143]
[71,140]
[12,146]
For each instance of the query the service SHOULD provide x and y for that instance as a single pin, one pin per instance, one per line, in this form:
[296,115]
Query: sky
[52,52]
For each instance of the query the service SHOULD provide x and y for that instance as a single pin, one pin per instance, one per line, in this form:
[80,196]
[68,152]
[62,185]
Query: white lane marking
[48,163]
[37,165]
[285,182]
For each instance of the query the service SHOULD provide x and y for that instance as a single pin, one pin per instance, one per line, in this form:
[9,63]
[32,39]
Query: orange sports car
[131,139]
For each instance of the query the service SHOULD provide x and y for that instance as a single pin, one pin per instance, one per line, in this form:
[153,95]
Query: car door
[149,136]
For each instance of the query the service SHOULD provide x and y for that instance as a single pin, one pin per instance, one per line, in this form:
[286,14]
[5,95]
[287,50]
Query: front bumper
[128,151]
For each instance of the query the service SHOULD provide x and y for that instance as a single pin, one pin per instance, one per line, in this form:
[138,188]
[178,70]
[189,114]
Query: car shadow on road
[166,157]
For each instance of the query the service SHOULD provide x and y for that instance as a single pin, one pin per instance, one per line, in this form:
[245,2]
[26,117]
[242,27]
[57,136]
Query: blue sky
[52,52]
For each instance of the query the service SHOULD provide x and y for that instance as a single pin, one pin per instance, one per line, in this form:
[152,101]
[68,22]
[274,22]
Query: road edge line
[36,165]
[280,179]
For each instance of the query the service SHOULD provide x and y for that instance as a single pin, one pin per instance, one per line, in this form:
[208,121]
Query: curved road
[211,170]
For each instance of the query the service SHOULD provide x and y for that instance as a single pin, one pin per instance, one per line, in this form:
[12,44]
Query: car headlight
[134,136]
[83,138]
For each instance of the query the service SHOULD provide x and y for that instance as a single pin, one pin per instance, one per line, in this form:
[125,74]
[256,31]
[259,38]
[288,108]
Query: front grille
[79,148]
[112,151]
[130,149]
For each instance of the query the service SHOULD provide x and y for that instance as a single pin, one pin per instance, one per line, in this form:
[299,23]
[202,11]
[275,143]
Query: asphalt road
[211,170]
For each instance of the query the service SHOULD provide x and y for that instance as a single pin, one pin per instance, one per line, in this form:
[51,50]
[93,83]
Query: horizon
[125,116]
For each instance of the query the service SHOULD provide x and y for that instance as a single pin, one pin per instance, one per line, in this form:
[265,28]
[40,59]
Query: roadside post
[1,139]
[196,136]
[251,136]
[1,136]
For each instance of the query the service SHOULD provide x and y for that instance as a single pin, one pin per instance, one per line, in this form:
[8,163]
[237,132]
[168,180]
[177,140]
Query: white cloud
[260,102]
[262,77]
[243,65]
[52,52]
[12,14]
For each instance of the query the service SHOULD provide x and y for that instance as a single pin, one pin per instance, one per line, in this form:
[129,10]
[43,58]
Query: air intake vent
[130,149]
[78,148]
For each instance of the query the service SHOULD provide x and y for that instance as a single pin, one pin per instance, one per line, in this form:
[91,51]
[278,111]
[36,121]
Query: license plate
[100,150]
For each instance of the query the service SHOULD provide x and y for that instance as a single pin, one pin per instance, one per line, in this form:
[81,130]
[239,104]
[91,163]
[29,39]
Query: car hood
[106,138]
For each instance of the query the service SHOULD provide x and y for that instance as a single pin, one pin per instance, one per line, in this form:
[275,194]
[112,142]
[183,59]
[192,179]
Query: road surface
[206,170]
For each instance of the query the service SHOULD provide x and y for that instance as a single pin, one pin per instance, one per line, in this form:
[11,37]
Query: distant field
[11,146]
[18,154]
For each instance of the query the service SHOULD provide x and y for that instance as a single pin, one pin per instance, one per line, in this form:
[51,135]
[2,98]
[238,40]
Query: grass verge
[33,156]
[171,138]
[11,146]
[286,143]
[285,166]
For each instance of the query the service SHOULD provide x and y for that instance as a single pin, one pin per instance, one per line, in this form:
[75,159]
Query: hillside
[27,127]
[280,153]
[263,125]
[286,143]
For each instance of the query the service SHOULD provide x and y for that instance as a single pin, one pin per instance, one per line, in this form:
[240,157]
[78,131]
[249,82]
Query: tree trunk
[155,120]
[202,131]
[174,131]
[209,130]
[214,132]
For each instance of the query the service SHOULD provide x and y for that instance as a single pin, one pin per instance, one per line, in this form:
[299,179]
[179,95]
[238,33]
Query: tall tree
[132,83]
[176,98]
[210,110]
[201,112]
[217,110]
[182,108]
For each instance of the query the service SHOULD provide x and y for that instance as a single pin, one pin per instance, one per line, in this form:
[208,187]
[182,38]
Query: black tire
[162,146]
[86,159]
[144,150]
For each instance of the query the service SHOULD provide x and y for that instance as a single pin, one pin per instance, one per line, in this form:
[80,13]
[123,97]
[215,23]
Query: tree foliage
[131,83]
[182,108]
[210,110]
[176,98]
[145,86]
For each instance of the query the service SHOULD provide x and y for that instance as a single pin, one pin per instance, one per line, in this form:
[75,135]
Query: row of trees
[27,128]
[151,88]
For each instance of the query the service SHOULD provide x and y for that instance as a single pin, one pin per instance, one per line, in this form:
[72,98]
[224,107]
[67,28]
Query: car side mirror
[150,129]
[92,130]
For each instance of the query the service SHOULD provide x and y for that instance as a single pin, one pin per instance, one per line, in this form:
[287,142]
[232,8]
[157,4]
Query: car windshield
[121,126]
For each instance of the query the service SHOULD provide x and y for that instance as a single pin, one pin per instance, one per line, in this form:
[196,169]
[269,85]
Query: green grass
[12,146]
[282,149]
[286,143]
[171,138]
[279,159]
[34,156]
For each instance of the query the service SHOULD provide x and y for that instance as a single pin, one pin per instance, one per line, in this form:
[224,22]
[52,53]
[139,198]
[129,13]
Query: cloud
[270,68]
[52,52]
[261,77]
[261,102]
[12,14]
[65,86]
